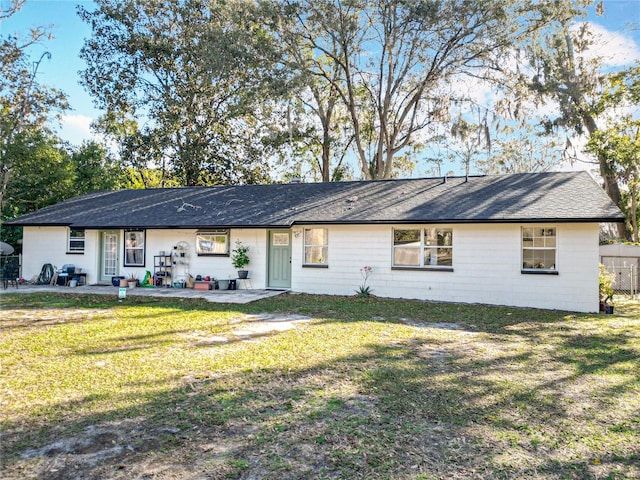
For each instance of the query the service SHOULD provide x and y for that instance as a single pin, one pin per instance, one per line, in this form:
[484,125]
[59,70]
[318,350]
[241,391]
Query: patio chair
[10,272]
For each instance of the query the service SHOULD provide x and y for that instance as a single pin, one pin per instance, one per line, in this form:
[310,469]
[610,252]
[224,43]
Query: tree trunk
[610,182]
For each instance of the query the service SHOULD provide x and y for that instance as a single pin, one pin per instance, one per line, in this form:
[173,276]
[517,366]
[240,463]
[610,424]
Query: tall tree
[190,72]
[25,104]
[315,115]
[94,169]
[619,143]
[43,173]
[520,150]
[393,58]
[559,67]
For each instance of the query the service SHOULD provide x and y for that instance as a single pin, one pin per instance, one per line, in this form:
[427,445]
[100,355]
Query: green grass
[164,388]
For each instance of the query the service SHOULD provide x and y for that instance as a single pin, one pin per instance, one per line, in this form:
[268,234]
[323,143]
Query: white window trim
[421,248]
[83,239]
[550,271]
[213,233]
[142,248]
[313,245]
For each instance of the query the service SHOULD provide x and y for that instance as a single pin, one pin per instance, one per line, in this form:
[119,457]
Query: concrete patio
[214,296]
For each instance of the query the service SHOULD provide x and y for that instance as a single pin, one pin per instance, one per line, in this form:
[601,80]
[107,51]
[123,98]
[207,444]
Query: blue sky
[620,25]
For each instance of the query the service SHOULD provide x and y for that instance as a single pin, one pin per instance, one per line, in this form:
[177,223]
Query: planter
[243,273]
[124,282]
[202,285]
[223,284]
[608,309]
[132,283]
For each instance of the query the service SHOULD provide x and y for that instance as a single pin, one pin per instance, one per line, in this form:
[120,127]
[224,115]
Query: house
[527,240]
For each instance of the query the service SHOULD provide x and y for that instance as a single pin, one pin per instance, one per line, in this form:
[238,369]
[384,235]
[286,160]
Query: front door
[109,255]
[279,259]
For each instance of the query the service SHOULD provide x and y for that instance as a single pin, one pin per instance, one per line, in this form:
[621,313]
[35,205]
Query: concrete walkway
[214,296]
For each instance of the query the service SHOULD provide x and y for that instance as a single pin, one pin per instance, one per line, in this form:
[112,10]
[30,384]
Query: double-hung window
[75,243]
[316,247]
[134,241]
[539,250]
[423,248]
[213,242]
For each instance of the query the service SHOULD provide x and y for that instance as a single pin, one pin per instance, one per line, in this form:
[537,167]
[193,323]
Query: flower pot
[133,283]
[243,273]
[608,309]
[223,284]
[124,282]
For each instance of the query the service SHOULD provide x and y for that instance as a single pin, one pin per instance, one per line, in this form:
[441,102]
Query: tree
[394,57]
[191,73]
[46,171]
[315,116]
[520,150]
[561,69]
[25,105]
[620,145]
[11,7]
[43,173]
[94,169]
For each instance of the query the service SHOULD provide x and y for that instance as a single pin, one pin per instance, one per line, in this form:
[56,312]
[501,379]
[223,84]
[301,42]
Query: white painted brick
[487,264]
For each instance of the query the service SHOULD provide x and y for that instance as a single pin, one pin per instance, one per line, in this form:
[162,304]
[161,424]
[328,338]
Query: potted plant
[132,281]
[240,258]
[606,289]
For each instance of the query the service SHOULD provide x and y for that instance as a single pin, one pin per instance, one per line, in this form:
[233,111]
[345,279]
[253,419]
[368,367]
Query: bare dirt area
[128,450]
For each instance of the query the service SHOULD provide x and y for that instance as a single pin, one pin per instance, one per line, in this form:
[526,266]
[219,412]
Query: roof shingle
[529,197]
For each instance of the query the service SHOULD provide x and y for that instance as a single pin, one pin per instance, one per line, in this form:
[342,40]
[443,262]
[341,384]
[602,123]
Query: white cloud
[76,128]
[614,48]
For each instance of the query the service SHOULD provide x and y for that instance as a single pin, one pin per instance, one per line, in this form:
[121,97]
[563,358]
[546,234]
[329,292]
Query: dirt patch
[250,328]
[439,325]
[264,323]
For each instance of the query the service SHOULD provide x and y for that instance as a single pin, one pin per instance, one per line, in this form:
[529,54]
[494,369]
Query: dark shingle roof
[529,197]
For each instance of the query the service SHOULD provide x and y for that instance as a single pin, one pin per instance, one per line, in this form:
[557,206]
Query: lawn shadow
[498,404]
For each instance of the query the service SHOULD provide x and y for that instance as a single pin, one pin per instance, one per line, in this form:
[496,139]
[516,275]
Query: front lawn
[91,388]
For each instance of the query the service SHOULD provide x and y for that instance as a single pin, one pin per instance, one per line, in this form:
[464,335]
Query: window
[316,246]
[280,239]
[423,247]
[214,242]
[75,242]
[134,248]
[538,249]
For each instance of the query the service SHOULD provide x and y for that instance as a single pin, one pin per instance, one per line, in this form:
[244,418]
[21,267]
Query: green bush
[606,284]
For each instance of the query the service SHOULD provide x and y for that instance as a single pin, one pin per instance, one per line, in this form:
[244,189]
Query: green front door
[279,259]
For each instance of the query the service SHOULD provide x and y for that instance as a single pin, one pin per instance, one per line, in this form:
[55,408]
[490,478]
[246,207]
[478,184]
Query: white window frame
[212,237]
[131,250]
[546,242]
[422,245]
[323,260]
[76,240]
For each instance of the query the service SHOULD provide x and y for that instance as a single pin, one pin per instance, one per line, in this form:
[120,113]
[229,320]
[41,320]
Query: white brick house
[527,240]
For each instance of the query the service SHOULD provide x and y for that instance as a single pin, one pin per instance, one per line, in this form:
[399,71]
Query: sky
[619,27]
